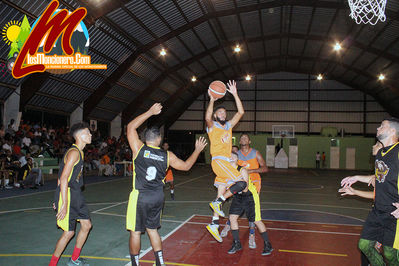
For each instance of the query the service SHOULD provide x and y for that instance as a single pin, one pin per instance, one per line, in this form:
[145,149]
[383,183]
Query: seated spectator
[105,167]
[32,177]
[7,145]
[4,172]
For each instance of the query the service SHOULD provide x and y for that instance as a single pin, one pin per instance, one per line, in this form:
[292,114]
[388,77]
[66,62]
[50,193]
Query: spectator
[323,159]
[2,132]
[32,177]
[7,145]
[105,167]
[317,160]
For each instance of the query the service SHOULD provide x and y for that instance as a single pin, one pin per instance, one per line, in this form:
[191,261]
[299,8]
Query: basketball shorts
[381,227]
[169,176]
[77,209]
[247,202]
[257,181]
[144,210]
[226,174]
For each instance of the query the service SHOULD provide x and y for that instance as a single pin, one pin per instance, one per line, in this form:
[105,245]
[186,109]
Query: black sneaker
[235,247]
[267,250]
[172,196]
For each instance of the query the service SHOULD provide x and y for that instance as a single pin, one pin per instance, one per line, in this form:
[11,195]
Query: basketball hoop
[367,11]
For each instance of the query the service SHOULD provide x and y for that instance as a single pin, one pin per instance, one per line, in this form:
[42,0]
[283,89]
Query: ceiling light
[381,77]
[237,49]
[162,52]
[337,46]
[193,79]
[319,77]
[248,77]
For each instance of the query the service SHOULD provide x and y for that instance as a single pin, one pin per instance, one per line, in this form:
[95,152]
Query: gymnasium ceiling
[199,37]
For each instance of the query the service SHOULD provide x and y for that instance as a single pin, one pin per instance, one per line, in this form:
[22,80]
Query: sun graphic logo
[14,34]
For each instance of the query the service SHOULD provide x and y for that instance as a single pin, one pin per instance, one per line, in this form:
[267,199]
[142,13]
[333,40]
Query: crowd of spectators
[20,145]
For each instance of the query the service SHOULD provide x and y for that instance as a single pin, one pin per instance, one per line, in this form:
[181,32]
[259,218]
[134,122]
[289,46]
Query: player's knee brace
[238,187]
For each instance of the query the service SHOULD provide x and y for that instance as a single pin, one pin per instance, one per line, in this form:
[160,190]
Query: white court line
[108,207]
[192,179]
[52,190]
[164,237]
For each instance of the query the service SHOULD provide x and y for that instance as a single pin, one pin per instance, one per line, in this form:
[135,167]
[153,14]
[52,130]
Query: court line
[52,190]
[313,253]
[192,179]
[164,238]
[91,257]
[108,207]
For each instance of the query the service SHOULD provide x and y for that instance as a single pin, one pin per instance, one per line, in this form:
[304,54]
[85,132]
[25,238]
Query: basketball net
[367,11]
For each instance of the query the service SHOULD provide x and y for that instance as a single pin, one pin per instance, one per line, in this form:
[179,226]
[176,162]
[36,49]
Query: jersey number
[151,173]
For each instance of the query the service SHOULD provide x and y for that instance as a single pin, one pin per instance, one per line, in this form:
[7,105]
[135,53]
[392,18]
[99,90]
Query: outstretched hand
[200,144]
[348,181]
[155,109]
[395,213]
[346,191]
[210,96]
[232,88]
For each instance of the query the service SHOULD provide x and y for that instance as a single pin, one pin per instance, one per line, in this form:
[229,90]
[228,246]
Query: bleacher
[48,165]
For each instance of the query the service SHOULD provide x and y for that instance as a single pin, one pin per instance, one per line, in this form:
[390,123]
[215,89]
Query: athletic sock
[235,235]
[54,261]
[76,253]
[135,259]
[215,220]
[221,199]
[265,236]
[252,231]
[172,191]
[158,258]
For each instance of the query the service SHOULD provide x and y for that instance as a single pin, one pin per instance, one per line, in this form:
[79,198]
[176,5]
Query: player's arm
[240,109]
[186,165]
[71,158]
[262,165]
[132,135]
[348,181]
[209,112]
[360,193]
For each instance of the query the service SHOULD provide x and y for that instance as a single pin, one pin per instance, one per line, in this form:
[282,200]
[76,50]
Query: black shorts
[381,227]
[77,209]
[243,203]
[144,210]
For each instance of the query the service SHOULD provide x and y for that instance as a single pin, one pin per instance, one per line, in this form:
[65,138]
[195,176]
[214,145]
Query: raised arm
[348,181]
[186,165]
[132,135]
[71,158]
[209,112]
[240,109]
[262,165]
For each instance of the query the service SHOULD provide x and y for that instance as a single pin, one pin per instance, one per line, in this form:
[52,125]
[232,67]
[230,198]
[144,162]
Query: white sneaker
[251,242]
[225,230]
[214,230]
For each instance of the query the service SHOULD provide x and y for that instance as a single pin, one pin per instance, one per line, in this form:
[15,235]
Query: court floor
[309,223]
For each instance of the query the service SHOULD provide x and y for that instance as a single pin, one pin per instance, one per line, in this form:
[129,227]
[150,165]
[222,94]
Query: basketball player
[254,163]
[381,223]
[248,202]
[69,202]
[220,135]
[150,163]
[169,175]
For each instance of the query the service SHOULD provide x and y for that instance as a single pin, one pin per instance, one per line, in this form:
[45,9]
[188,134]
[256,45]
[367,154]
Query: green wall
[309,145]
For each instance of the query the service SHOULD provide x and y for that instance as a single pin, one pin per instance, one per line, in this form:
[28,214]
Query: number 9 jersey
[149,168]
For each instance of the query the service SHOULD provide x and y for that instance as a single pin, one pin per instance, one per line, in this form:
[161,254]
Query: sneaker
[251,242]
[225,230]
[78,261]
[214,230]
[267,250]
[172,196]
[8,187]
[215,205]
[235,247]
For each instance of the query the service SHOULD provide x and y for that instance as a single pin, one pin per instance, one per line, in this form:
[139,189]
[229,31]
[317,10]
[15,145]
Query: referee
[150,163]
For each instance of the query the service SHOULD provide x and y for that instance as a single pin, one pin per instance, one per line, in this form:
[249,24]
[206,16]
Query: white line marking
[192,179]
[108,207]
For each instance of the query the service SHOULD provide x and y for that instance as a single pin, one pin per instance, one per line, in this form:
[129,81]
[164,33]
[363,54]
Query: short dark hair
[152,133]
[244,134]
[219,107]
[233,152]
[393,123]
[77,127]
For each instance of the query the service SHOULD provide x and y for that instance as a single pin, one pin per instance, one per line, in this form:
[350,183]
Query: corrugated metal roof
[178,48]
[5,92]
[122,92]
[112,104]
[170,13]
[102,115]
[271,21]
[251,23]
[192,41]
[64,90]
[231,27]
[222,4]
[134,81]
[322,19]
[190,9]
[84,78]
[301,15]
[209,63]
[205,33]
[52,104]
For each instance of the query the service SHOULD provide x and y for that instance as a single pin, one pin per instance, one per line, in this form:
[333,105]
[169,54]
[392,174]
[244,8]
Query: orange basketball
[217,89]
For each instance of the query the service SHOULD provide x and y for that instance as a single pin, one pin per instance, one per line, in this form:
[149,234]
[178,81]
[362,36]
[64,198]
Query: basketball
[217,89]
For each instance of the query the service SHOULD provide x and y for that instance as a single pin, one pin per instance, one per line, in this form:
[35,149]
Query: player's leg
[135,225]
[236,246]
[60,246]
[172,190]
[156,244]
[134,247]
[213,228]
[85,226]
[368,249]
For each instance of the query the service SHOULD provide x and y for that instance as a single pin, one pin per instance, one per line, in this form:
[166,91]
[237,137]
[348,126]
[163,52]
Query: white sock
[172,191]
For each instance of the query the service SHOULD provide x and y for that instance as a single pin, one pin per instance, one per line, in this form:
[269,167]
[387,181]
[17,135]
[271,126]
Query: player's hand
[348,181]
[155,109]
[232,87]
[395,213]
[372,181]
[346,191]
[210,96]
[200,144]
[62,212]
[54,208]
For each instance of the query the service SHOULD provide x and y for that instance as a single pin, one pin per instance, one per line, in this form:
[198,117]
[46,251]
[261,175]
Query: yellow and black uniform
[247,202]
[380,225]
[76,208]
[146,199]
[249,161]
[220,137]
